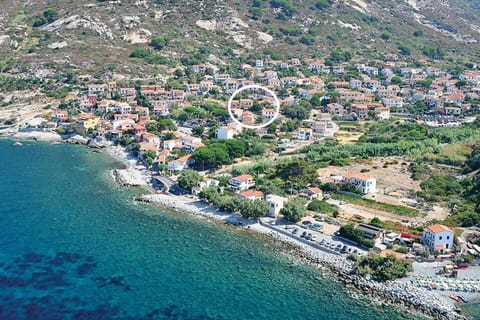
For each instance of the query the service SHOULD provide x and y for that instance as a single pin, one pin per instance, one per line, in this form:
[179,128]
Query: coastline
[403,295]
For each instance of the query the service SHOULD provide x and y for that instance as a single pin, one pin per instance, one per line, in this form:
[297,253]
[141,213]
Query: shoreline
[398,294]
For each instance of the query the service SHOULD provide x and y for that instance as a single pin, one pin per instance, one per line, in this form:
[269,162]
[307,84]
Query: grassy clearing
[392,208]
[19,18]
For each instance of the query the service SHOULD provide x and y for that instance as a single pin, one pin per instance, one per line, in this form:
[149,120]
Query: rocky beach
[396,293]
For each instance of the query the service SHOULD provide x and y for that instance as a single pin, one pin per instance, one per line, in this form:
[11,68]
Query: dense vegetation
[220,152]
[348,231]
[231,203]
[383,269]
[294,210]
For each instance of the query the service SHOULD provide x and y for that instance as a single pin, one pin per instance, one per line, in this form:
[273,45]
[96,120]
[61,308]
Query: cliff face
[99,36]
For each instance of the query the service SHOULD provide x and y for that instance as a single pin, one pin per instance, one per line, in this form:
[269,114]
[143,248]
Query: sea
[74,245]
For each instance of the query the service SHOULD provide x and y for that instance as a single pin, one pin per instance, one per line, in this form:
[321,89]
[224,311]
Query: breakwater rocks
[396,293]
[416,300]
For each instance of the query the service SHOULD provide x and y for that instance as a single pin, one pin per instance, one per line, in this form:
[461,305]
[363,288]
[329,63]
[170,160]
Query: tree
[253,208]
[158,43]
[321,206]
[293,211]
[396,80]
[376,222]
[149,157]
[188,179]
[383,269]
[404,50]
[50,14]
[211,156]
[297,171]
[198,131]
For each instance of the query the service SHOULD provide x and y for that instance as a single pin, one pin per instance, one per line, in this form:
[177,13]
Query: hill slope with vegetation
[132,38]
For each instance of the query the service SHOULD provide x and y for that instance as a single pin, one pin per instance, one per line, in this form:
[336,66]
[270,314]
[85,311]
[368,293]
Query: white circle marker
[254,86]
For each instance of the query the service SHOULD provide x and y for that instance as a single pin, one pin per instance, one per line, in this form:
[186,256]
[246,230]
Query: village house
[180,164]
[361,182]
[369,231]
[336,109]
[251,195]
[289,81]
[204,184]
[225,133]
[275,204]
[268,114]
[97,88]
[311,193]
[242,182]
[438,237]
[305,134]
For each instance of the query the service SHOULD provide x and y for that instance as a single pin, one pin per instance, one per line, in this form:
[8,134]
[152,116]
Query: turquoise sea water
[74,246]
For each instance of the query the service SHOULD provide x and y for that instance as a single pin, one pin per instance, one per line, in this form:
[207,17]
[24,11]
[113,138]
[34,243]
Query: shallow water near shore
[74,246]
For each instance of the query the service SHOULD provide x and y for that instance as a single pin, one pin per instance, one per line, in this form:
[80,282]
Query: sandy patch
[209,25]
[138,36]
[265,37]
[349,25]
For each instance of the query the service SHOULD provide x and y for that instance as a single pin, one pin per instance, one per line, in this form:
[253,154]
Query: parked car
[313,238]
[309,236]
[319,219]
[304,234]
[295,231]
[306,223]
[322,241]
[316,226]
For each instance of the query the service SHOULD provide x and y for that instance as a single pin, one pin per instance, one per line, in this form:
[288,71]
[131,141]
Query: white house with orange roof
[268,113]
[179,164]
[438,237]
[251,195]
[242,182]
[225,133]
[361,182]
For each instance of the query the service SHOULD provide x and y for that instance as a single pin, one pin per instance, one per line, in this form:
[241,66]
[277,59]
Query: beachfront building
[251,195]
[275,204]
[204,184]
[369,231]
[361,182]
[438,237]
[242,183]
[179,164]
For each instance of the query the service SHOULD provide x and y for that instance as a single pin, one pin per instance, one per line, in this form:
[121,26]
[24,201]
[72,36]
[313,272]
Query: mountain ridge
[95,36]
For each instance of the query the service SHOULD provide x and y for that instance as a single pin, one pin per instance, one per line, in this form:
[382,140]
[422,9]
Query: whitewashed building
[438,237]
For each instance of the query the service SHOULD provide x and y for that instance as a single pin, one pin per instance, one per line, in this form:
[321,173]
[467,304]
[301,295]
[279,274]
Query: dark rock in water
[32,257]
[85,268]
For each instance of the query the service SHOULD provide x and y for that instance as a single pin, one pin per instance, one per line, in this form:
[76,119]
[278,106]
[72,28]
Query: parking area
[311,233]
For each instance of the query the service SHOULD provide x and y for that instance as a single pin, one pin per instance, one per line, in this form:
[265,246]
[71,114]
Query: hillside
[47,38]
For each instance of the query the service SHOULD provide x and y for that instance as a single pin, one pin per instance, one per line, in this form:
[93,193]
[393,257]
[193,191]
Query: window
[448,237]
[446,246]
[440,238]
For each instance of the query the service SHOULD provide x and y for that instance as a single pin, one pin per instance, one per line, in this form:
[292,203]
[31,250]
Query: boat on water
[454,297]
[463,298]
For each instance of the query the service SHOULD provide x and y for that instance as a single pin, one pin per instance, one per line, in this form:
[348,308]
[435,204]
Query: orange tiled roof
[437,228]
[243,177]
[359,176]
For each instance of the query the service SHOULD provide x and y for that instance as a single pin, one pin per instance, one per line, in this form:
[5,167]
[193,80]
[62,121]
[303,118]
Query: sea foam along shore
[396,293]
